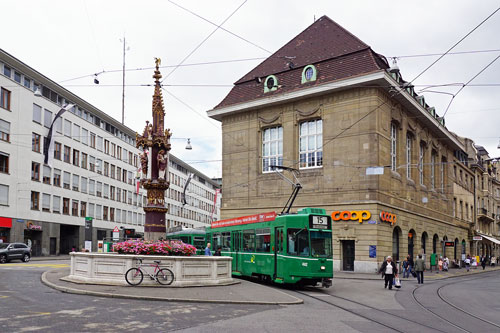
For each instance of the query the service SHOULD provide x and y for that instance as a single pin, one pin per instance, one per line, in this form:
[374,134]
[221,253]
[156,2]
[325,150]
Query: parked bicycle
[135,275]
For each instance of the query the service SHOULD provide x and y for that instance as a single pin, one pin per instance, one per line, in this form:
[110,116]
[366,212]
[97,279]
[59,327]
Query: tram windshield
[199,242]
[298,242]
[321,243]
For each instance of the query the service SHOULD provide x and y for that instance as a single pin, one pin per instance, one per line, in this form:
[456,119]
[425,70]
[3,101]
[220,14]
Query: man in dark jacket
[389,270]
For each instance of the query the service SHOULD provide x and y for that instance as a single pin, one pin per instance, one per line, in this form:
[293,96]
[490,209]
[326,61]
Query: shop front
[5,227]
[33,237]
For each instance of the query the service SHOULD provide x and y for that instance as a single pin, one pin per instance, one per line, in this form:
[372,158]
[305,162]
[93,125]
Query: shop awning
[491,239]
[5,222]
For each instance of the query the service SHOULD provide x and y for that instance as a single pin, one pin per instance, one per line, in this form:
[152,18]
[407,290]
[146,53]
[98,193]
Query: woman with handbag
[389,270]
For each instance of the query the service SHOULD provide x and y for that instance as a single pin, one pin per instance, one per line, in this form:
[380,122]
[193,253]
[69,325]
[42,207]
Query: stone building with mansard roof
[369,150]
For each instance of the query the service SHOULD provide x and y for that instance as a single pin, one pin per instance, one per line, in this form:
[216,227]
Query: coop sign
[356,215]
[31,226]
[388,217]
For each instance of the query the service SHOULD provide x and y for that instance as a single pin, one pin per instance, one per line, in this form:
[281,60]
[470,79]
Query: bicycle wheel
[134,276]
[165,276]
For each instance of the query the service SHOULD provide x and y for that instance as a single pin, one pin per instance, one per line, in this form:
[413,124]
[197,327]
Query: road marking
[317,294]
[4,296]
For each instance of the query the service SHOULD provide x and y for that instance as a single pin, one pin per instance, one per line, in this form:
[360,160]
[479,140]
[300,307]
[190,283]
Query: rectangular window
[27,82]
[85,136]
[433,170]
[421,155]
[298,242]
[67,154]
[106,191]
[7,71]
[119,153]
[408,155]
[35,200]
[5,99]
[113,150]
[58,125]
[4,162]
[57,177]
[272,148]
[105,213]
[99,166]
[35,142]
[443,166]
[66,206]
[92,140]
[100,142]
[46,202]
[118,215]
[263,240]
[248,240]
[4,195]
[118,194]
[84,185]
[57,150]
[124,175]
[76,157]
[92,186]
[56,204]
[129,197]
[83,209]
[67,128]
[76,132]
[124,197]
[112,172]
[47,118]
[125,152]
[37,114]
[84,161]
[130,157]
[17,77]
[35,171]
[106,169]
[394,148]
[112,214]
[91,210]
[74,208]
[46,174]
[76,182]
[130,177]
[4,130]
[311,144]
[92,163]
[98,212]
[66,180]
[99,189]
[112,192]
[106,147]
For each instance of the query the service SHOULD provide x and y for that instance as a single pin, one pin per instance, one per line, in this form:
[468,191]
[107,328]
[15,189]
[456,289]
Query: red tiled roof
[336,53]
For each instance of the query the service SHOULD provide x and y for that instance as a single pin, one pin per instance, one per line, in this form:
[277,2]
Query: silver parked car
[10,251]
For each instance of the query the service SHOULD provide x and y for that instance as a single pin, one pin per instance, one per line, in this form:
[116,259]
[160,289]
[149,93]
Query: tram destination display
[320,222]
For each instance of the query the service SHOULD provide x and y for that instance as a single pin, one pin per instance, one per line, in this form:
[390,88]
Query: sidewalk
[428,275]
[45,258]
[244,292]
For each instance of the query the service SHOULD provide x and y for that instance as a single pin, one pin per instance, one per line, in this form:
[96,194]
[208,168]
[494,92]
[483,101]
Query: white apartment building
[90,174]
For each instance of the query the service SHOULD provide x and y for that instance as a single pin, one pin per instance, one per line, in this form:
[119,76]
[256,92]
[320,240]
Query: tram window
[321,243]
[248,240]
[262,240]
[226,241]
[216,240]
[298,242]
[199,242]
[185,239]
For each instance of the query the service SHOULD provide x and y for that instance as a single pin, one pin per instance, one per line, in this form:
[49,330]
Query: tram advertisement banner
[264,217]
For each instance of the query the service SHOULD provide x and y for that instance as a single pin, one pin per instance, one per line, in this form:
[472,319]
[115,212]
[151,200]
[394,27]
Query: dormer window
[271,83]
[308,74]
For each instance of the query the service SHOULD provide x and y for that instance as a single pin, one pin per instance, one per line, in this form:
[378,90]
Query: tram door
[236,239]
[279,250]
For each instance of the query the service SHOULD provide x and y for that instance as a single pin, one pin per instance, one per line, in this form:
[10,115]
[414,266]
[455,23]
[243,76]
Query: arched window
[435,240]
[270,84]
[308,74]
[424,241]
[395,243]
[464,244]
[411,239]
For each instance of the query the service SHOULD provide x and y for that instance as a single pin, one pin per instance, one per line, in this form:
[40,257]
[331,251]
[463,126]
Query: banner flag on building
[48,147]
[216,202]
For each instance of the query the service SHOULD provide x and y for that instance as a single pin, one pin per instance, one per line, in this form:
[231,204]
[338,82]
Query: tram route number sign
[449,244]
[320,222]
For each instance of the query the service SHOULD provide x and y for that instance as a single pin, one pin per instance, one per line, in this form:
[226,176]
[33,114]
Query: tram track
[406,319]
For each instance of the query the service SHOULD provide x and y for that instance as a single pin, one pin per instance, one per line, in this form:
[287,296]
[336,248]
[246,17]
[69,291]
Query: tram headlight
[323,268]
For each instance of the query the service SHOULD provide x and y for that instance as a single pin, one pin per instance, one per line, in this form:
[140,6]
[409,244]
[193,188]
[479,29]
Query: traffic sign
[116,229]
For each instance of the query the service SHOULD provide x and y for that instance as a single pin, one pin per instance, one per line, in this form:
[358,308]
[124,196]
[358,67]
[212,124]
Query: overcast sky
[65,40]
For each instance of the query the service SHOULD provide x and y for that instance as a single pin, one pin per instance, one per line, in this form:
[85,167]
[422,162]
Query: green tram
[289,248]
[195,237]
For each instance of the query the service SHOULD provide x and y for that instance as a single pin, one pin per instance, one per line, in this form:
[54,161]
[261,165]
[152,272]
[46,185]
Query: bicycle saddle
[157,261]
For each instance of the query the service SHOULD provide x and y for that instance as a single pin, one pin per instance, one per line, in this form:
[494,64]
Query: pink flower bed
[164,248]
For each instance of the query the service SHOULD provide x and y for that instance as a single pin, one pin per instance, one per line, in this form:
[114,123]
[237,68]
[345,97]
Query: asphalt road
[29,306]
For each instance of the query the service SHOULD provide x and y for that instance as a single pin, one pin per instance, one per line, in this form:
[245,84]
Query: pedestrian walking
[218,252]
[467,262]
[419,269]
[207,250]
[483,262]
[406,268]
[446,263]
[389,270]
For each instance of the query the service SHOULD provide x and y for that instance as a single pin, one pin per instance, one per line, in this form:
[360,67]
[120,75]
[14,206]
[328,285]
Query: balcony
[482,213]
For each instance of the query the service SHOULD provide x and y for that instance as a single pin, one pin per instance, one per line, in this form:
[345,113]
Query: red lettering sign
[264,217]
[5,222]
